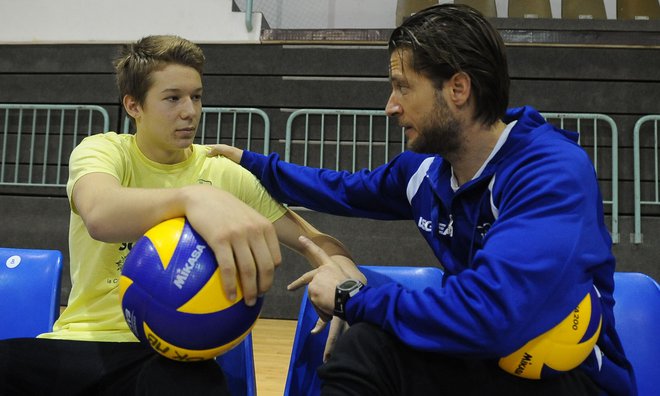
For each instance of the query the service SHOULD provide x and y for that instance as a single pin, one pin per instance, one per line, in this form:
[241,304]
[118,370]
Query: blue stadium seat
[238,366]
[307,351]
[637,314]
[30,284]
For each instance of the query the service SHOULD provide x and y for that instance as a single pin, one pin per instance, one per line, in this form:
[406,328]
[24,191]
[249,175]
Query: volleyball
[562,348]
[172,298]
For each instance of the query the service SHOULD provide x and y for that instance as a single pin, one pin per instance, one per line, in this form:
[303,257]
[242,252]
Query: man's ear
[131,106]
[460,86]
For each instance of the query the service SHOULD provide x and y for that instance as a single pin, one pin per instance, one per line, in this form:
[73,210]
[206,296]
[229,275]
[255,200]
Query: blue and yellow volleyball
[172,297]
[562,348]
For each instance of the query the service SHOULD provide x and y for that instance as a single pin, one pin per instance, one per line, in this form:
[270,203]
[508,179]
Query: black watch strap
[343,292]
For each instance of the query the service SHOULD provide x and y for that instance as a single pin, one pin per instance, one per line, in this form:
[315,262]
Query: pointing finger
[303,280]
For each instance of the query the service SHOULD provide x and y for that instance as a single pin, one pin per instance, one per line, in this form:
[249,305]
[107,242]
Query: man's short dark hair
[450,38]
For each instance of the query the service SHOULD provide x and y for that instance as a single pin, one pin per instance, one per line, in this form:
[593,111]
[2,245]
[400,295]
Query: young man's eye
[172,98]
[197,98]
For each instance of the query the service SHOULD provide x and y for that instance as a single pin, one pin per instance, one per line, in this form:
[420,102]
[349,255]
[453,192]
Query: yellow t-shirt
[94,311]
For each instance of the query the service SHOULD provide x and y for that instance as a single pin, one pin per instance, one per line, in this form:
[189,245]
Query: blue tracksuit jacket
[521,243]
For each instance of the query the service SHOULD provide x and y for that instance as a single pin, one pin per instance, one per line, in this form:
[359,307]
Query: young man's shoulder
[107,138]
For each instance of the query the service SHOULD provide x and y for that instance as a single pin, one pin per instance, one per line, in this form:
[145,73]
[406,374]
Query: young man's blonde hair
[137,62]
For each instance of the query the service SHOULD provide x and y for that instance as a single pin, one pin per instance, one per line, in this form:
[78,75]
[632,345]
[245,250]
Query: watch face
[343,292]
[348,284]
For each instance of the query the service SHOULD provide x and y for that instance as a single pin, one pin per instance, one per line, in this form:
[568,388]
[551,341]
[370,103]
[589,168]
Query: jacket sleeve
[371,194]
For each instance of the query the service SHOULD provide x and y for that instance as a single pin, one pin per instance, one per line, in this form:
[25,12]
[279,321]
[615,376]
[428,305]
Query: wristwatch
[343,292]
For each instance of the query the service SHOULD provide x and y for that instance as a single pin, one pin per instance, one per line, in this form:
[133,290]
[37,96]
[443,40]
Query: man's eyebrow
[398,78]
[396,64]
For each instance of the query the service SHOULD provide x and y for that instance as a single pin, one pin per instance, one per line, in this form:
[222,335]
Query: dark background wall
[609,67]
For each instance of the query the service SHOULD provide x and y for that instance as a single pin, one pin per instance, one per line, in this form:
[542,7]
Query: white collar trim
[498,146]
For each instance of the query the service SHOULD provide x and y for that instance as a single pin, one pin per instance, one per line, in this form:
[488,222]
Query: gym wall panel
[61,58]
[583,63]
[579,96]
[299,60]
[58,88]
[297,92]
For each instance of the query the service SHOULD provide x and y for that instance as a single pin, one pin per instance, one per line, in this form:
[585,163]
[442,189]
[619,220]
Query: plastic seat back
[30,284]
[637,9]
[583,9]
[637,315]
[486,7]
[238,366]
[530,9]
[307,351]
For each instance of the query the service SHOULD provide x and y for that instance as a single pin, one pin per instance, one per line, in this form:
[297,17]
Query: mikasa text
[183,273]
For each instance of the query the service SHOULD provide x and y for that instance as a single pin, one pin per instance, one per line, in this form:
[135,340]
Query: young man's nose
[188,108]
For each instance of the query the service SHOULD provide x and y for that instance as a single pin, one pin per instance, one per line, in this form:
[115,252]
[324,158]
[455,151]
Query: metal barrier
[330,131]
[36,140]
[345,140]
[248,15]
[652,120]
[583,123]
[216,121]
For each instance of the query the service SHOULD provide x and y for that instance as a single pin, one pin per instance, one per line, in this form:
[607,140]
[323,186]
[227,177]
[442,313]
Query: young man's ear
[131,106]
[460,86]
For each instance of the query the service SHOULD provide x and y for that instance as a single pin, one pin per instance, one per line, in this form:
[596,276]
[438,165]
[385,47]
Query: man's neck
[478,144]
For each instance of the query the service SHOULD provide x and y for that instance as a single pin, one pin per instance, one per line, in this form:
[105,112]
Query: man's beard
[440,135]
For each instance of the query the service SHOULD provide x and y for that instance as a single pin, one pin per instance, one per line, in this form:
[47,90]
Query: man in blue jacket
[509,204]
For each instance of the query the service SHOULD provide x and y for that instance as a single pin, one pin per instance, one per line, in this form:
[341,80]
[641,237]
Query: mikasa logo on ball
[183,273]
[131,320]
[523,363]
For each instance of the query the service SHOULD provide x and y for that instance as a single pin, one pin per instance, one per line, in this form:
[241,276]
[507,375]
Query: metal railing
[653,121]
[248,15]
[36,140]
[243,127]
[344,139]
[588,126]
[337,137]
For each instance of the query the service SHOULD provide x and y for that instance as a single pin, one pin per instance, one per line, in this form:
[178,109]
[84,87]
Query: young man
[509,204]
[121,185]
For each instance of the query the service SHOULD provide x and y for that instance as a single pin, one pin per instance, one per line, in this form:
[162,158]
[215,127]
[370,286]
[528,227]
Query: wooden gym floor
[272,340]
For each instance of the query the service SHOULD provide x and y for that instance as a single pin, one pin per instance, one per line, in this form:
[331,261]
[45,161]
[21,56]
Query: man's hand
[230,152]
[323,280]
[322,283]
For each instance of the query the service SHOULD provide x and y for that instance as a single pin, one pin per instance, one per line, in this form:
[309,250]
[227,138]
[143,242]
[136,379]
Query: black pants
[30,366]
[369,361]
